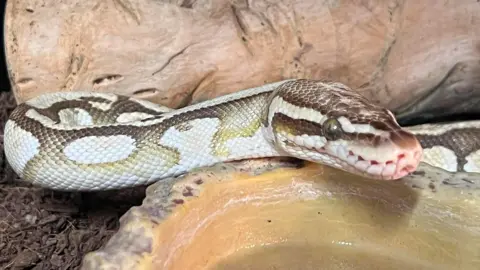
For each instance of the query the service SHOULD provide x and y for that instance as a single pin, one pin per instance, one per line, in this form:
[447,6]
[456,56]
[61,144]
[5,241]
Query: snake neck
[217,133]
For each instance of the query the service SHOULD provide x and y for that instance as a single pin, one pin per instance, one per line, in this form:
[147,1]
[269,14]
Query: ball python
[97,141]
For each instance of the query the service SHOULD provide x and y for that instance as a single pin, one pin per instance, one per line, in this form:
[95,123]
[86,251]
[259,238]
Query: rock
[298,217]
[395,52]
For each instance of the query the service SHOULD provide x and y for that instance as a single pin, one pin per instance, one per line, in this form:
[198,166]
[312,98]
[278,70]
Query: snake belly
[99,141]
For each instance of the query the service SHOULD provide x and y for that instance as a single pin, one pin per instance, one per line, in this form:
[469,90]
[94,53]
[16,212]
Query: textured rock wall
[180,52]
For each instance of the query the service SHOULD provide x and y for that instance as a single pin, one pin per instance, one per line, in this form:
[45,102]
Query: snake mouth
[400,165]
[394,161]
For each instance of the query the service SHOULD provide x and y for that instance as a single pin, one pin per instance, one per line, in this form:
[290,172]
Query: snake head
[328,123]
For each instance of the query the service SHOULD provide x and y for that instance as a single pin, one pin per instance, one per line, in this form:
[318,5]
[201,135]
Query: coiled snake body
[98,141]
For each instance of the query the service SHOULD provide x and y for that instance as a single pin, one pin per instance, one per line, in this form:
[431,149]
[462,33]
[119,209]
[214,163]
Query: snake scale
[98,141]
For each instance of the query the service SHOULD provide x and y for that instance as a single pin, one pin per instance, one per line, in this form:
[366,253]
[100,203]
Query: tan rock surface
[176,54]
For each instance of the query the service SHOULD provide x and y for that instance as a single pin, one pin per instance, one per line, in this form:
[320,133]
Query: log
[397,53]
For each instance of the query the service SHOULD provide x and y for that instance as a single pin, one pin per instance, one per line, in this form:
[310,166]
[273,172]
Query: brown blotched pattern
[53,140]
[235,117]
[462,141]
[123,104]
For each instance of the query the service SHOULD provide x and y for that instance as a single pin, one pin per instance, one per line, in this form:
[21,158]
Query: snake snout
[409,154]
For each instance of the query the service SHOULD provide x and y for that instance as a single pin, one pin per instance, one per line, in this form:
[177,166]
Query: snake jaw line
[401,163]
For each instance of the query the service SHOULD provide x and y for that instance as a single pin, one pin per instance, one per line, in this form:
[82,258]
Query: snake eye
[332,129]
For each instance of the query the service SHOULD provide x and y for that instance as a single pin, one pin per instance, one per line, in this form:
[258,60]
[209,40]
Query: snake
[87,140]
